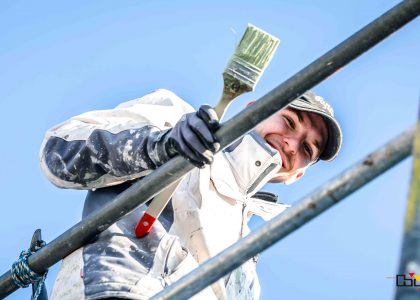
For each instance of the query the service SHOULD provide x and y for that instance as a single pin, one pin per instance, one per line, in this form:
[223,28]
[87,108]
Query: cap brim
[334,131]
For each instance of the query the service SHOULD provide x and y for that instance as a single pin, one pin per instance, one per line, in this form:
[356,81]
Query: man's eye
[308,150]
[290,122]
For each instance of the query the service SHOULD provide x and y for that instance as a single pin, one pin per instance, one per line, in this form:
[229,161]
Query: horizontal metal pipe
[307,209]
[278,98]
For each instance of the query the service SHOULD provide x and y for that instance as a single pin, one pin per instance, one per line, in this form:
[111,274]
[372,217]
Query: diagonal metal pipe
[307,209]
[275,100]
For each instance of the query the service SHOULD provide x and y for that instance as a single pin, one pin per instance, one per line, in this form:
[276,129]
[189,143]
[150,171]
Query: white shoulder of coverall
[213,205]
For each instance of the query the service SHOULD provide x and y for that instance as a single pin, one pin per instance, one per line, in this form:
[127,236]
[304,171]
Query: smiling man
[303,133]
[106,151]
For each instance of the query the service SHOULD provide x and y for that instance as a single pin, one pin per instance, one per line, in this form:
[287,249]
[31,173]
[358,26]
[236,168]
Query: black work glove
[193,137]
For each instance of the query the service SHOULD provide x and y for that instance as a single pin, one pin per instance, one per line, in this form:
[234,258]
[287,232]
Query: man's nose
[291,145]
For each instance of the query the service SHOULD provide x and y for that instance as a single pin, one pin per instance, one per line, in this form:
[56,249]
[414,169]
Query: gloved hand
[193,137]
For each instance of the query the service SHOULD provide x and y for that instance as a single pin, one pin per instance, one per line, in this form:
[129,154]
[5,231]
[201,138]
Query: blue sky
[59,59]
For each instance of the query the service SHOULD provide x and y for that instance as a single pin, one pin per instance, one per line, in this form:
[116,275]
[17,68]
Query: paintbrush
[243,71]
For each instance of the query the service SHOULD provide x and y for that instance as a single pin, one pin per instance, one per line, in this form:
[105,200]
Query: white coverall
[104,152]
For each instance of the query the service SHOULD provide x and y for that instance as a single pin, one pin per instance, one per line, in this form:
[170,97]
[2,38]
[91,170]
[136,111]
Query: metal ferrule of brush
[246,73]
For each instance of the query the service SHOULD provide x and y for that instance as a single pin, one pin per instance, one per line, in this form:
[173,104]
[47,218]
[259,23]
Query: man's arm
[103,148]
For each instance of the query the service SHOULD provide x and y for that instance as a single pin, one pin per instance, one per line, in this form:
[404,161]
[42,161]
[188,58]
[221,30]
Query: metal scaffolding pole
[240,124]
[307,209]
[410,252]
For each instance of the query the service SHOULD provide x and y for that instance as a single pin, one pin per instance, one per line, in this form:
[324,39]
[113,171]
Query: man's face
[298,136]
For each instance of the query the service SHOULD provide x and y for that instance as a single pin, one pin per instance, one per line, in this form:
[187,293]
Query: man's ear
[300,174]
[295,177]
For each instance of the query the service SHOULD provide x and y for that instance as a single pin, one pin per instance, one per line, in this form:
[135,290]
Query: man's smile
[276,145]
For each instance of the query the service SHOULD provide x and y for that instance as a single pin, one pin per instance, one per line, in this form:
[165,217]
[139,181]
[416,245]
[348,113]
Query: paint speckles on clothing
[127,153]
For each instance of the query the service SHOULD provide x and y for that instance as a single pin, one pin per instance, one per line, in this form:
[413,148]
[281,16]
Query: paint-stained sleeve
[107,147]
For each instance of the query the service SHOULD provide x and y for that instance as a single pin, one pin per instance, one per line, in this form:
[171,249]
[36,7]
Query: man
[105,151]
